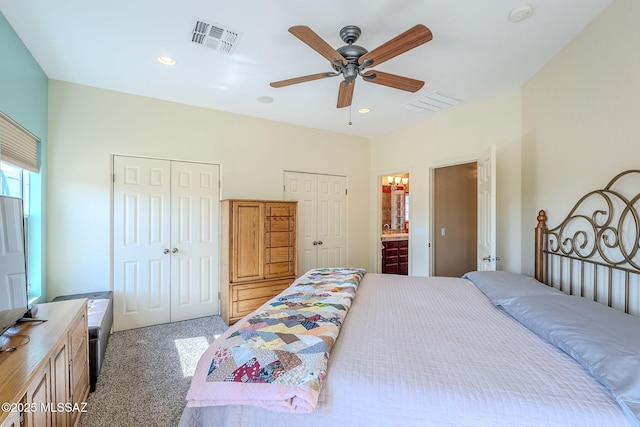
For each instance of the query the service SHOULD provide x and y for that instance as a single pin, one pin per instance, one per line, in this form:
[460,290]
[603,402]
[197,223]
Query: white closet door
[194,240]
[332,221]
[141,234]
[322,219]
[303,187]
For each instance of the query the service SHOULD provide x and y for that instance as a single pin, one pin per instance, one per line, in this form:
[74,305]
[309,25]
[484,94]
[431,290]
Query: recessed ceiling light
[166,60]
[264,99]
[521,13]
[364,110]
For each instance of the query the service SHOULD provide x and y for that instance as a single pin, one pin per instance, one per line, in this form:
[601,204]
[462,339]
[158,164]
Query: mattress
[435,352]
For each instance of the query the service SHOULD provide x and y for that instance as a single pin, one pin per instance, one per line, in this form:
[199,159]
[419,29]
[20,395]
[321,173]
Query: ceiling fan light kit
[350,60]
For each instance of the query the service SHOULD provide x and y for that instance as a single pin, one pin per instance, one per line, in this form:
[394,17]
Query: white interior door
[194,240]
[303,187]
[332,220]
[141,239]
[322,219]
[487,210]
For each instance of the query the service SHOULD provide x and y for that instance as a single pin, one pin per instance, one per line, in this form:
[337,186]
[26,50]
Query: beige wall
[451,137]
[568,130]
[581,117]
[88,125]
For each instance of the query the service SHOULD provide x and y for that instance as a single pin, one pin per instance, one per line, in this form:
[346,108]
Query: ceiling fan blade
[393,80]
[307,36]
[301,79]
[413,37]
[345,93]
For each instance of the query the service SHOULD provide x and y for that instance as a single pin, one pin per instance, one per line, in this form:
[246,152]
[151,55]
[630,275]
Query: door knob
[165,251]
[174,250]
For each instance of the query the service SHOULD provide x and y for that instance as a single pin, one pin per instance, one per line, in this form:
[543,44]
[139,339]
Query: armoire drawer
[248,297]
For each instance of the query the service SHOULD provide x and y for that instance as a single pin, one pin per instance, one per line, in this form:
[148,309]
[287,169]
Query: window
[14,182]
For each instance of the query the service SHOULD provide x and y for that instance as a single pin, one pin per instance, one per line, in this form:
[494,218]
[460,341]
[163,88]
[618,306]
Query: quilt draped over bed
[277,356]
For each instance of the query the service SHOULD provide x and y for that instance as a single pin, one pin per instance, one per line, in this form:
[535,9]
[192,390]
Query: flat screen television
[13,268]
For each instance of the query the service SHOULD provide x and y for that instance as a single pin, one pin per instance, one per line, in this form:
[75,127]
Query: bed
[492,348]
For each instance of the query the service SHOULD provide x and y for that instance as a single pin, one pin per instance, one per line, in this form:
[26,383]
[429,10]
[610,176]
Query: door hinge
[345,191]
[218,296]
[114,177]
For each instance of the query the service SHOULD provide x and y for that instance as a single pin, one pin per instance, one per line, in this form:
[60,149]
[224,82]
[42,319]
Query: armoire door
[322,218]
[165,241]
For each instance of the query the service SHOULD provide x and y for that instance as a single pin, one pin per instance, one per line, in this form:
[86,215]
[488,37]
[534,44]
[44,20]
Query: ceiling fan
[351,60]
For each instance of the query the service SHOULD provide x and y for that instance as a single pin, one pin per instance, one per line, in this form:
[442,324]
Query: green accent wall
[24,98]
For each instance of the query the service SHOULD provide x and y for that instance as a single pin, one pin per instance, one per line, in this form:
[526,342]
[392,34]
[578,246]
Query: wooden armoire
[258,254]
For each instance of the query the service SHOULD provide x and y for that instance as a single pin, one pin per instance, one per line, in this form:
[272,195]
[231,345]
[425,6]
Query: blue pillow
[605,341]
[501,286]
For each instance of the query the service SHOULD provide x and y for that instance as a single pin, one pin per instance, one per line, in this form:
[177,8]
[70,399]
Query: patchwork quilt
[277,357]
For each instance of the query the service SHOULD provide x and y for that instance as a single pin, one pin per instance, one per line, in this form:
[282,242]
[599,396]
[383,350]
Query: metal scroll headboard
[595,251]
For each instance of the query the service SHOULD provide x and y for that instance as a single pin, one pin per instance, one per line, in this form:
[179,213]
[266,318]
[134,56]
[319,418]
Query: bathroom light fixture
[397,180]
[166,60]
[405,180]
[390,179]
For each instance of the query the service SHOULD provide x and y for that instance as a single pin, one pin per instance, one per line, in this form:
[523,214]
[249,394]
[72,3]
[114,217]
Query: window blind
[18,146]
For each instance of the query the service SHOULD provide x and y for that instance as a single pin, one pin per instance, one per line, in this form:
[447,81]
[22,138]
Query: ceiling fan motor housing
[350,52]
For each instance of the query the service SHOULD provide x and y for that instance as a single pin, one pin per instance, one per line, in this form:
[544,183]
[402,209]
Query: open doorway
[455,219]
[394,223]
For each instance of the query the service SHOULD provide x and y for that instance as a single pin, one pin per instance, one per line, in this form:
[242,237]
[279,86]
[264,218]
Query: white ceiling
[476,52]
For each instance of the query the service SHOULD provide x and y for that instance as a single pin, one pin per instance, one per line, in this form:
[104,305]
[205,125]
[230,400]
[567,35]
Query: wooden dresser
[46,381]
[258,257]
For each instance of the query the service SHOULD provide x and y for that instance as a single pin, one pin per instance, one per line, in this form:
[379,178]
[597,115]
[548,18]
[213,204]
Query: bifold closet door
[165,241]
[322,218]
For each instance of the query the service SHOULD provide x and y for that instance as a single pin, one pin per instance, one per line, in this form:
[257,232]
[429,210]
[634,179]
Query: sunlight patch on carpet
[189,351]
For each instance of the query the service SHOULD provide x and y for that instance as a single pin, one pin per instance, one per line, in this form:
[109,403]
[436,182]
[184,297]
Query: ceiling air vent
[215,36]
[432,103]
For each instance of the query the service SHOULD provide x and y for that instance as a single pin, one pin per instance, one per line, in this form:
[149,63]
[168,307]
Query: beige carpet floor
[146,374]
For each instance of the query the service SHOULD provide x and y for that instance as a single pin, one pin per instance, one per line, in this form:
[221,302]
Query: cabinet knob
[315,243]
[174,250]
[165,251]
[319,242]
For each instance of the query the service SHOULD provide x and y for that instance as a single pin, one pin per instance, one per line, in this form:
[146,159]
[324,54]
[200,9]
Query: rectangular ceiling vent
[215,36]
[432,103]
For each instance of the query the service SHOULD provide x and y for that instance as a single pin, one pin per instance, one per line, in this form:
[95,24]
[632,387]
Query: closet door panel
[322,218]
[141,233]
[303,187]
[194,237]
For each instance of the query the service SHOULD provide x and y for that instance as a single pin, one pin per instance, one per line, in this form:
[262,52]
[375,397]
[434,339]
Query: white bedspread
[434,352]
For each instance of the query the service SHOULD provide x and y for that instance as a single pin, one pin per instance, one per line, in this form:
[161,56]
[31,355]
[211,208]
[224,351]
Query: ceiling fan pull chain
[350,115]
